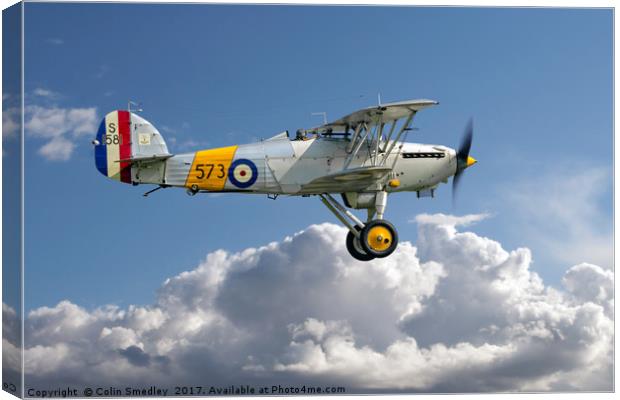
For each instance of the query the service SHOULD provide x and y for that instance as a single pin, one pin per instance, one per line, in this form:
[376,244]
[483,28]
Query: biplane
[361,158]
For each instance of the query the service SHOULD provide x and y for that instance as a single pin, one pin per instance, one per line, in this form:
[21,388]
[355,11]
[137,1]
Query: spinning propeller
[463,159]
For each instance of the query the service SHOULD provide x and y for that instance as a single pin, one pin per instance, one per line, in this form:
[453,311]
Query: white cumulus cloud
[11,116]
[62,128]
[57,149]
[449,220]
[457,312]
[10,122]
[41,92]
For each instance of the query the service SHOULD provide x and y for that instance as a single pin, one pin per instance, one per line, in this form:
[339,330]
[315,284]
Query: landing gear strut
[377,238]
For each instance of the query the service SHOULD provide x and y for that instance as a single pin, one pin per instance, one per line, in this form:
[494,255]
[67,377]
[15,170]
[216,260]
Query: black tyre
[355,248]
[379,238]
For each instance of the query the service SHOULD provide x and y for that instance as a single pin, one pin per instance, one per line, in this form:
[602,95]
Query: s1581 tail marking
[115,145]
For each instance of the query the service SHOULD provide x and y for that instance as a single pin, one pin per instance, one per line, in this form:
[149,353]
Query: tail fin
[124,137]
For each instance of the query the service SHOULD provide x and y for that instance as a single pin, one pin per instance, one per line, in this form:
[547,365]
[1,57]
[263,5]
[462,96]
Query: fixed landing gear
[355,247]
[379,238]
[365,241]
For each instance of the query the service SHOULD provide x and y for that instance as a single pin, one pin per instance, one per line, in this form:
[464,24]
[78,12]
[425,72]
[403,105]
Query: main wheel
[379,238]
[355,248]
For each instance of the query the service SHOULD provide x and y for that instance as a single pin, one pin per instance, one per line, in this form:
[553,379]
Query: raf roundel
[242,173]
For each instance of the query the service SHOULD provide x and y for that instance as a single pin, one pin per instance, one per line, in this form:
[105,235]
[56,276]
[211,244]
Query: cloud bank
[457,313]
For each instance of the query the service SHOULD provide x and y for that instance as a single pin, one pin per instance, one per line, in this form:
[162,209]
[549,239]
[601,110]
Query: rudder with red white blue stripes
[113,144]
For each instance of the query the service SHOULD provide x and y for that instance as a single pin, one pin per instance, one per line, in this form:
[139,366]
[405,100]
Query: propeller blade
[455,187]
[463,160]
[463,152]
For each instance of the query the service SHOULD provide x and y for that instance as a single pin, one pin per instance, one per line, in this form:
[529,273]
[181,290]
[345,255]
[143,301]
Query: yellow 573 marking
[221,171]
[209,170]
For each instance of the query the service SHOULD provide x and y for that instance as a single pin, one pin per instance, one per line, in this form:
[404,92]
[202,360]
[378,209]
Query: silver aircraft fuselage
[286,166]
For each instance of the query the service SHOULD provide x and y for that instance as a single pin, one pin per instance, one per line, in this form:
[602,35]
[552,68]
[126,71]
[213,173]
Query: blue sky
[538,83]
[11,214]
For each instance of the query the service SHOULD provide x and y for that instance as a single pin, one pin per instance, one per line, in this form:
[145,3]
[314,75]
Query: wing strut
[371,134]
[369,125]
[358,145]
[389,136]
[403,129]
[358,128]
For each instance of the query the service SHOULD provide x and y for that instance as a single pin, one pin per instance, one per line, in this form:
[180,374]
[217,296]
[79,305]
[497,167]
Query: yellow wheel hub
[379,238]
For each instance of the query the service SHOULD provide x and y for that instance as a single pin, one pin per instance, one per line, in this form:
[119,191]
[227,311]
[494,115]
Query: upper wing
[350,180]
[388,112]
